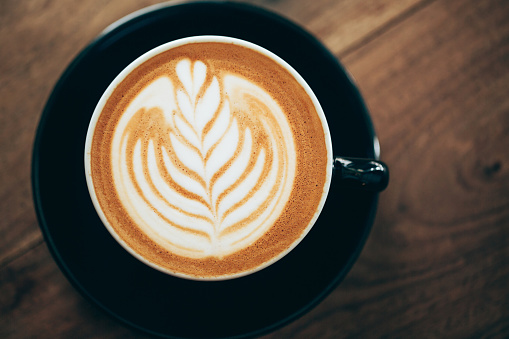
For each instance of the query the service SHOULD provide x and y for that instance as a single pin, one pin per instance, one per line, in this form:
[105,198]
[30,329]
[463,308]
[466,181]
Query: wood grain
[341,25]
[37,302]
[435,75]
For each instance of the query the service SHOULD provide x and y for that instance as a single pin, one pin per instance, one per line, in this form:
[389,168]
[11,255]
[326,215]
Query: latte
[209,159]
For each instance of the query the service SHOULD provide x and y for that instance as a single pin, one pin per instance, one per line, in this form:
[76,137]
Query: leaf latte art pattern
[203,161]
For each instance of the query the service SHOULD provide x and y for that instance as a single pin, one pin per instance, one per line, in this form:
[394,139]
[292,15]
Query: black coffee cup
[140,296]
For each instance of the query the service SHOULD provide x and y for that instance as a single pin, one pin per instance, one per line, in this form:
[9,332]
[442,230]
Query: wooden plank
[36,51]
[36,301]
[437,261]
[342,24]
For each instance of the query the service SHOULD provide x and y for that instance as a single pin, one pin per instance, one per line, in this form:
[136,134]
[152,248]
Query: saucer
[147,299]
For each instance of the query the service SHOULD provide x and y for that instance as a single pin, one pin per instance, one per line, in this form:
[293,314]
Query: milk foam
[203,162]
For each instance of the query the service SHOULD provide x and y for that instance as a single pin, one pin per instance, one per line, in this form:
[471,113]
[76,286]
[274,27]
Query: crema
[209,160]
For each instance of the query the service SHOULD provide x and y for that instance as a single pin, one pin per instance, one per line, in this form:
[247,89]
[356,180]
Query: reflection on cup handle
[366,174]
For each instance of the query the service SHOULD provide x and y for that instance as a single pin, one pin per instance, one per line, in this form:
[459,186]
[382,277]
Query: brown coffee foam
[309,144]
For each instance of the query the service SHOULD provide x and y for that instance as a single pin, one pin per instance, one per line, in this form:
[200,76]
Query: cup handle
[366,174]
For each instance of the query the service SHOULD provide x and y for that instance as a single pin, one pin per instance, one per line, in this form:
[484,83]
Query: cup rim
[165,47]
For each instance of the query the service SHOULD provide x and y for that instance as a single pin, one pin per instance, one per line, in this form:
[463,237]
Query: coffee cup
[210,158]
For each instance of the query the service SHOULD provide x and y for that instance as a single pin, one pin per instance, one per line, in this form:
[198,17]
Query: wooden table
[435,75]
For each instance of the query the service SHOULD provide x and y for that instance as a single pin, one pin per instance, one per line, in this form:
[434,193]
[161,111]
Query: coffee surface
[209,160]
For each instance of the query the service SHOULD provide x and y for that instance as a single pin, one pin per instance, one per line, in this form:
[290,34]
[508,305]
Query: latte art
[208,158]
[204,165]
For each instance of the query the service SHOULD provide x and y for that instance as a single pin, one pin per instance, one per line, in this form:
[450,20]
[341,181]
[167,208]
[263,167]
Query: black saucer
[148,299]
